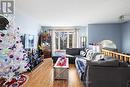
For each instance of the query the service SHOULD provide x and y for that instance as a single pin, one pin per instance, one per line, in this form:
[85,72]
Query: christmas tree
[13,58]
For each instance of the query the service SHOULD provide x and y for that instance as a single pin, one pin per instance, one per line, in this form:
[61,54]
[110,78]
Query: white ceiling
[74,12]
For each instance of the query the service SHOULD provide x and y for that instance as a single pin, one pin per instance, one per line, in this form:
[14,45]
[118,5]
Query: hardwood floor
[42,76]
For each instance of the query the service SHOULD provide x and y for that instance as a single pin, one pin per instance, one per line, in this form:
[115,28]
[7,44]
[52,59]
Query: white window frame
[73,39]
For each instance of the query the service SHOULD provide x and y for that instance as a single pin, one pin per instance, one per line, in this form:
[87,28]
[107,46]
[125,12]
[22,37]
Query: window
[64,40]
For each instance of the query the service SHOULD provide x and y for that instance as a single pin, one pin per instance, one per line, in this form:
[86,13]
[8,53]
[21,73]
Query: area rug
[17,82]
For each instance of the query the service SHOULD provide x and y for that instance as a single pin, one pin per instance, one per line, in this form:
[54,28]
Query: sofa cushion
[89,57]
[106,63]
[108,58]
[93,56]
[123,64]
[73,51]
[90,52]
[86,50]
[79,56]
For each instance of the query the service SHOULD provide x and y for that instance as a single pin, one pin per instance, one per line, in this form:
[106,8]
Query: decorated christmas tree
[13,59]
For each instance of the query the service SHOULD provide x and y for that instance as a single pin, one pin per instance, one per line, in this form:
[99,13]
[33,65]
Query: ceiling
[74,12]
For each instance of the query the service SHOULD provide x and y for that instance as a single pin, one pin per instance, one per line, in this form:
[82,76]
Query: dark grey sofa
[69,51]
[103,74]
[98,76]
[74,52]
[95,74]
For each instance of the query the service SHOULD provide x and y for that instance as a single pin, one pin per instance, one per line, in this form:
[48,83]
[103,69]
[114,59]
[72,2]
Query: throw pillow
[86,50]
[90,53]
[82,53]
[88,57]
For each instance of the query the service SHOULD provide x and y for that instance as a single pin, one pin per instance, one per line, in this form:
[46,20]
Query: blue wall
[27,24]
[99,32]
[126,37]
[82,32]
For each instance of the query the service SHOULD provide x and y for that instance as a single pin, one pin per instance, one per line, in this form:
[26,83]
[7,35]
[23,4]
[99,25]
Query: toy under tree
[13,59]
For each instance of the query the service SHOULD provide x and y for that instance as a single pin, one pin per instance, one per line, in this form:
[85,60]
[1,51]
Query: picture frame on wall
[29,41]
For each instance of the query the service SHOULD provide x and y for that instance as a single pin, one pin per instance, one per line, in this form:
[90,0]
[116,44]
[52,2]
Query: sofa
[72,53]
[106,72]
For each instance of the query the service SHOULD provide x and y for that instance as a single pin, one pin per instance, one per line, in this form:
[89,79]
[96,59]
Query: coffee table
[61,68]
[56,55]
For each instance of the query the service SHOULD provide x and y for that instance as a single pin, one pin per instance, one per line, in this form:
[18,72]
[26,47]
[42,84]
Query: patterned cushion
[86,50]
[89,55]
[90,52]
[82,53]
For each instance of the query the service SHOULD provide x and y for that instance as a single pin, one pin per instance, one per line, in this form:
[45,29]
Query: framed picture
[29,41]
